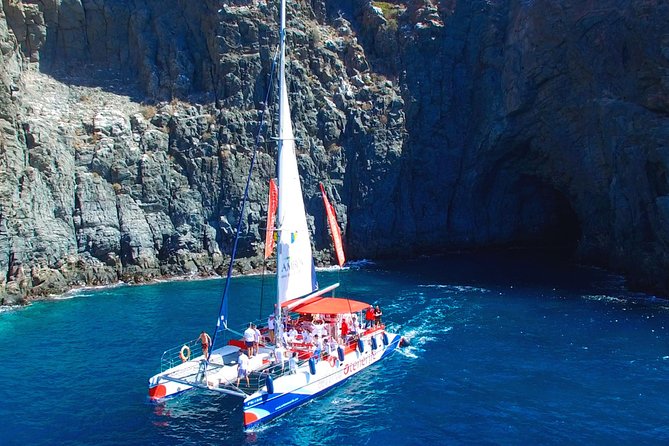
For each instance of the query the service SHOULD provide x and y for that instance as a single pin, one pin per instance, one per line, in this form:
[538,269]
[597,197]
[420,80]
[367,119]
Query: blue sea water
[508,348]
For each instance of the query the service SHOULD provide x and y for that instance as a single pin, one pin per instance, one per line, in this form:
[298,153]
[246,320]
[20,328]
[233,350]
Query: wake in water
[604,298]
[8,308]
[431,314]
[359,264]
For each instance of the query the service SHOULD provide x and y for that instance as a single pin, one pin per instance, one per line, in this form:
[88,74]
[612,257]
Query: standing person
[292,363]
[355,327]
[270,327]
[369,317]
[280,355]
[249,339]
[344,329]
[256,339]
[319,347]
[243,368]
[377,315]
[205,342]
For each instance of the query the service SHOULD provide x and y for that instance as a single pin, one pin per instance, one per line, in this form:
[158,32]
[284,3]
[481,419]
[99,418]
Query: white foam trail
[457,288]
[604,298]
[332,268]
[359,263]
[69,296]
[9,308]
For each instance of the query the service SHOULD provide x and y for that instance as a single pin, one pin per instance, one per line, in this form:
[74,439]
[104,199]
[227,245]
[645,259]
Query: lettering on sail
[291,264]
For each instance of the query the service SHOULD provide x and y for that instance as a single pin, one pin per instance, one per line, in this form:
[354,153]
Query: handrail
[171,357]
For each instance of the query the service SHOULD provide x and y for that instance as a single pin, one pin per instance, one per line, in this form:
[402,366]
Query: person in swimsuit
[205,341]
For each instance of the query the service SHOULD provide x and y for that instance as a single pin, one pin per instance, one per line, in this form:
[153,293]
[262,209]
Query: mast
[282,81]
[296,275]
[278,318]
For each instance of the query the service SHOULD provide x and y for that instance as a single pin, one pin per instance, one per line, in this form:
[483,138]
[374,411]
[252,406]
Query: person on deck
[270,327]
[292,363]
[243,368]
[355,326]
[287,340]
[249,339]
[377,315]
[369,317]
[319,347]
[344,329]
[256,339]
[280,355]
[332,346]
[205,341]
[292,334]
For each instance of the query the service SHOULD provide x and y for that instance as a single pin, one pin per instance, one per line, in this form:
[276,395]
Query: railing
[172,356]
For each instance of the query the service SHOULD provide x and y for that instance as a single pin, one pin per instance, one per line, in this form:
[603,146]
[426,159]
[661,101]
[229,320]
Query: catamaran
[313,341]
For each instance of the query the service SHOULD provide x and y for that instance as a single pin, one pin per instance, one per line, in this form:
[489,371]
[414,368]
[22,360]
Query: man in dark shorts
[249,339]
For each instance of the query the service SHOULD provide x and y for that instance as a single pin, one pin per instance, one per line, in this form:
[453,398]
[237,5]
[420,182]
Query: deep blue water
[506,349]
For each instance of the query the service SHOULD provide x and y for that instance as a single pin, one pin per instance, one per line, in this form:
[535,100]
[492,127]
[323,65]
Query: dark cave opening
[546,218]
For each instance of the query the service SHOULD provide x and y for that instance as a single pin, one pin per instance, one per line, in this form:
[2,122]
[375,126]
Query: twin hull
[292,390]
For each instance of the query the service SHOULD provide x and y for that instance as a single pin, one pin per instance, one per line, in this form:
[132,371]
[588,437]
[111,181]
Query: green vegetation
[390,11]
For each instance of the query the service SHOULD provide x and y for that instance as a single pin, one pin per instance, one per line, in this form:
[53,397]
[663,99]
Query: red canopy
[331,305]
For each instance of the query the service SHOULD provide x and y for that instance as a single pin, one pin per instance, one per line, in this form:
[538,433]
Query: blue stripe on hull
[278,402]
[283,403]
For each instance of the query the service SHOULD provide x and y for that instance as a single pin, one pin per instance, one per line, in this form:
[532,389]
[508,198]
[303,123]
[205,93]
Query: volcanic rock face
[127,129]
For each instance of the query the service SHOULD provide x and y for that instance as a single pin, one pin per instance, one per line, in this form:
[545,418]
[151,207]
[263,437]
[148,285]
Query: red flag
[272,204]
[334,228]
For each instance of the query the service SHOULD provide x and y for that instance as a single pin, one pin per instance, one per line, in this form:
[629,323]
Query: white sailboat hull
[192,373]
[290,391]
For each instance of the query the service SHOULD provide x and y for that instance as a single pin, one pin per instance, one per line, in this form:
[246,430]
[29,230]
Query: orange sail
[271,215]
[334,228]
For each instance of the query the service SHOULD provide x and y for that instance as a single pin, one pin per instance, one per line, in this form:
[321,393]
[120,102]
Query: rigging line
[222,312]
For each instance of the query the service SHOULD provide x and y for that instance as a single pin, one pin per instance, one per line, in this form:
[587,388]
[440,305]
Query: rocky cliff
[127,128]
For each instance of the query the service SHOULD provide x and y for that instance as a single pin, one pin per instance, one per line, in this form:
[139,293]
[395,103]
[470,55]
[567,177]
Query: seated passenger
[332,347]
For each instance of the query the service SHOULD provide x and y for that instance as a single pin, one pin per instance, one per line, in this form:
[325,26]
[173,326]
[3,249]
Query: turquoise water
[506,349]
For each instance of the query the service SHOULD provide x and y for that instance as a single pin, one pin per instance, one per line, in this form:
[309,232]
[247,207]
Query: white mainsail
[295,270]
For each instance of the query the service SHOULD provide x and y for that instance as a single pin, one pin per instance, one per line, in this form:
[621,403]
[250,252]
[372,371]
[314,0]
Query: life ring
[184,354]
[332,361]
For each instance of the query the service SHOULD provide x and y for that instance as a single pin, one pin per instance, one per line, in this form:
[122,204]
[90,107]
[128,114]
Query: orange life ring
[184,354]
[332,361]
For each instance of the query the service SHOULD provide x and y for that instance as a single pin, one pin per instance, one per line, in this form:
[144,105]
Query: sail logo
[291,264]
[285,266]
